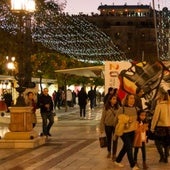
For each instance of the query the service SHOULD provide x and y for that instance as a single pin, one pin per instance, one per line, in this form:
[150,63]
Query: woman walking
[108,122]
[160,125]
[128,109]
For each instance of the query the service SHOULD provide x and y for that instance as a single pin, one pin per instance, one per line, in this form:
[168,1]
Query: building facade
[132,29]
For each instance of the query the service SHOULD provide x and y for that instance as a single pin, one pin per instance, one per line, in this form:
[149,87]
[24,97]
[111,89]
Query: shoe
[108,155]
[49,134]
[145,165]
[135,168]
[136,164]
[41,134]
[119,164]
[161,159]
[113,158]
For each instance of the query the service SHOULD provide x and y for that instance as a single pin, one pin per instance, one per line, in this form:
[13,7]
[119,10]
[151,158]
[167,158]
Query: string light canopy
[164,33]
[70,35]
[76,37]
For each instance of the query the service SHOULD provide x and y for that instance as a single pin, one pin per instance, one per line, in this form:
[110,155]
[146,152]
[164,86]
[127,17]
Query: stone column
[21,134]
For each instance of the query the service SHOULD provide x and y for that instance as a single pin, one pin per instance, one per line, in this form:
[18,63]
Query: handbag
[103,141]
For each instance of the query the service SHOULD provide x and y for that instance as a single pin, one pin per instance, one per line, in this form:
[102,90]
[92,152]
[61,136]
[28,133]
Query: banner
[112,71]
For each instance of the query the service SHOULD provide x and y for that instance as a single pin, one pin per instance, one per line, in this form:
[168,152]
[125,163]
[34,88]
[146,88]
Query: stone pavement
[74,145]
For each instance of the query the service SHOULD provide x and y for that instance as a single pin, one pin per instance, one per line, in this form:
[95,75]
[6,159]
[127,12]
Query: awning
[94,71]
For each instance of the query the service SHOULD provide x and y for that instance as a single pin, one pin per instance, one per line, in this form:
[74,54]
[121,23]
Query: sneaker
[119,164]
[135,168]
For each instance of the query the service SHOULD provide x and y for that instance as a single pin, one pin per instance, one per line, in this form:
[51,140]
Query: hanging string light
[163,33]
[75,36]
[71,35]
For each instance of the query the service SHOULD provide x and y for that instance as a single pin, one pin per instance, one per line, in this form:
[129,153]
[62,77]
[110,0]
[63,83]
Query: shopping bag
[103,141]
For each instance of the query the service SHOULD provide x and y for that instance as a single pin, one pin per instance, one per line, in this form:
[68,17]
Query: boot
[145,165]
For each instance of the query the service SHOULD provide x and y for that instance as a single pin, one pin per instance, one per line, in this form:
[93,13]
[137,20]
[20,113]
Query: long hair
[108,103]
[138,116]
[164,95]
[125,100]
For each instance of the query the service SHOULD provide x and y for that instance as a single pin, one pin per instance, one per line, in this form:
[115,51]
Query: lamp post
[22,9]
[21,133]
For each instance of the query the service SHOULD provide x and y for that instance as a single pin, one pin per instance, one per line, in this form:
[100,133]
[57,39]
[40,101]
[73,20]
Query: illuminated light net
[163,26]
[74,36]
[70,35]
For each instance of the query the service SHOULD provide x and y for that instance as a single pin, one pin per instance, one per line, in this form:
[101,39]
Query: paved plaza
[74,145]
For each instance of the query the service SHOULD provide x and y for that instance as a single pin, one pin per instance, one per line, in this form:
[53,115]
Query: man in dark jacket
[46,109]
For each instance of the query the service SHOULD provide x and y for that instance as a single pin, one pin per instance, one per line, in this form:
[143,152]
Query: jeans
[109,130]
[127,139]
[143,149]
[46,127]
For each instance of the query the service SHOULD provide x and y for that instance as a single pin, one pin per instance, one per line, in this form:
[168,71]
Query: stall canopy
[95,71]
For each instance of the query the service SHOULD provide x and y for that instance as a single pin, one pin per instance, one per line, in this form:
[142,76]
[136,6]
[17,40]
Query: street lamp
[10,64]
[22,9]
[23,5]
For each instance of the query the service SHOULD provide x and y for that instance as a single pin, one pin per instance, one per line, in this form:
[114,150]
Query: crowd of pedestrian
[122,119]
[126,119]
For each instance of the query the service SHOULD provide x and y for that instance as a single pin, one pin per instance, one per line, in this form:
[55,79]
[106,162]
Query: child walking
[140,137]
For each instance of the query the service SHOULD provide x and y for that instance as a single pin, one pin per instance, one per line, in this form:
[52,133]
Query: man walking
[46,109]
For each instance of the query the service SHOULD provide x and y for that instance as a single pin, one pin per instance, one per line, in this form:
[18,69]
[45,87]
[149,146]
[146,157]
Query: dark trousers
[143,149]
[92,101]
[82,111]
[109,130]
[162,148]
[127,139]
[46,126]
[58,103]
